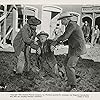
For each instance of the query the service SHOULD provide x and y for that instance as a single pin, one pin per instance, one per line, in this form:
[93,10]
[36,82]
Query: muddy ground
[87,68]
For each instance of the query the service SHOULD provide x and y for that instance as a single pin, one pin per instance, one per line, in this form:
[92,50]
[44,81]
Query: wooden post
[15,23]
[93,24]
[0,32]
[93,21]
[5,12]
[23,15]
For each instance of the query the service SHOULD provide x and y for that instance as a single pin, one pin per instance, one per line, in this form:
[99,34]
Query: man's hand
[32,40]
[56,69]
[52,48]
[39,51]
[35,42]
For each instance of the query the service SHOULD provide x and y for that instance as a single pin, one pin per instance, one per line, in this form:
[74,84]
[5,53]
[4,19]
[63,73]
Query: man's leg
[27,59]
[48,69]
[96,40]
[92,40]
[56,69]
[87,38]
[20,63]
[70,70]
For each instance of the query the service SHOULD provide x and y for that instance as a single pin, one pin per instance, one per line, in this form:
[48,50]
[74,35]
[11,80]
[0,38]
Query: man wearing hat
[48,62]
[22,43]
[76,44]
[46,56]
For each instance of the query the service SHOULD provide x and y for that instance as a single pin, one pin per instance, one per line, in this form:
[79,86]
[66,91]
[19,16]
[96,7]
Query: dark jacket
[75,38]
[47,55]
[23,38]
[86,30]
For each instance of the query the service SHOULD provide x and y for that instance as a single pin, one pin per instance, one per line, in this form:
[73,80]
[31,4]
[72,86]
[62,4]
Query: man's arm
[28,40]
[34,46]
[68,31]
[25,36]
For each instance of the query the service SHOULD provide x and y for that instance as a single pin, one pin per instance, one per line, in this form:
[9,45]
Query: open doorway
[97,22]
[50,15]
[20,16]
[88,19]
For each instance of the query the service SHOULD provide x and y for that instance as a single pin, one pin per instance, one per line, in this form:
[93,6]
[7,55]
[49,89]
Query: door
[50,15]
[54,22]
[46,18]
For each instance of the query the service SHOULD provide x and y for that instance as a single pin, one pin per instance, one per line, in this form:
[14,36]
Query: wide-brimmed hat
[34,21]
[64,15]
[42,33]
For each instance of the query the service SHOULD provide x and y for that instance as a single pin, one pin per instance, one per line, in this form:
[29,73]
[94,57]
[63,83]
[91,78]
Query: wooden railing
[6,35]
[8,31]
[2,18]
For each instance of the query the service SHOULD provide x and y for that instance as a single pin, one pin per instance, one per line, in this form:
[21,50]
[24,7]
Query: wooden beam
[5,13]
[15,24]
[0,32]
[2,17]
[23,15]
[6,35]
[93,23]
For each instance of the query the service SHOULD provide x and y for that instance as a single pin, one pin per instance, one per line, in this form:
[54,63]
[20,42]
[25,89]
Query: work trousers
[70,64]
[23,63]
[94,39]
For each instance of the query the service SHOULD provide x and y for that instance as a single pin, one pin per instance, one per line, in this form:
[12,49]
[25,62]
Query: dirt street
[88,68]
